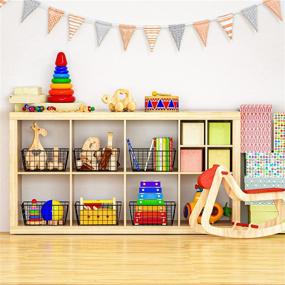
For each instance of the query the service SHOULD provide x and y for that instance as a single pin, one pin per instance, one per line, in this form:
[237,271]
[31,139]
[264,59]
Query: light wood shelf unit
[125,227]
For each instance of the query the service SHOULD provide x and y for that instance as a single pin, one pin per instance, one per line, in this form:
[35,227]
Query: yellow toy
[217,211]
[121,101]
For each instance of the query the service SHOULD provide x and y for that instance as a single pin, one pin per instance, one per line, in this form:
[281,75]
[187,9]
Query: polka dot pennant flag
[227,22]
[2,2]
[29,7]
[250,15]
[54,16]
[102,28]
[74,23]
[127,32]
[151,33]
[202,28]
[275,7]
[177,32]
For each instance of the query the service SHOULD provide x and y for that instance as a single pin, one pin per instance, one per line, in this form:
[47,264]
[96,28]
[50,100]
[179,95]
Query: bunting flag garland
[74,23]
[29,7]
[2,2]
[177,32]
[275,7]
[250,14]
[102,28]
[227,22]
[151,33]
[127,32]
[202,28]
[54,16]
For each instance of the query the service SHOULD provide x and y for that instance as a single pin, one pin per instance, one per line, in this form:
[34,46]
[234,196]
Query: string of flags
[151,32]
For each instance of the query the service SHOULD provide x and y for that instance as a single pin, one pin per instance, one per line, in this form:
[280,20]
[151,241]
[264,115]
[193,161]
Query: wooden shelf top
[139,115]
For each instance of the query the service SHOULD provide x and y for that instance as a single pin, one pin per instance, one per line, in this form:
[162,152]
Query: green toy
[227,211]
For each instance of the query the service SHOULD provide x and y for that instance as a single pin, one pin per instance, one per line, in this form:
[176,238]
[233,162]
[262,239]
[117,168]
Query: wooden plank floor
[136,260]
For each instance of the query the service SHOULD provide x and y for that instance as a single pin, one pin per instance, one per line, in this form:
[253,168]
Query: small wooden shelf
[126,124]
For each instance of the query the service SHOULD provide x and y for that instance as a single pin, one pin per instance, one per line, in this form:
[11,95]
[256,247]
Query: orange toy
[217,211]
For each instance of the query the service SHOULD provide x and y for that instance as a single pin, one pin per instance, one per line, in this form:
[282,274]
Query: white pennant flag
[250,14]
[102,28]
[29,7]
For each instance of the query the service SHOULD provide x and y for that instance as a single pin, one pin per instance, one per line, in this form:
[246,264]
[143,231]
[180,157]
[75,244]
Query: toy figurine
[121,101]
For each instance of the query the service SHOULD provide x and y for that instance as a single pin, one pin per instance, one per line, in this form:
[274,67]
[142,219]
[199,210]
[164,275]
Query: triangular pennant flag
[29,7]
[126,33]
[74,23]
[226,23]
[151,33]
[250,14]
[102,28]
[275,7]
[54,16]
[149,105]
[177,32]
[202,28]
[2,2]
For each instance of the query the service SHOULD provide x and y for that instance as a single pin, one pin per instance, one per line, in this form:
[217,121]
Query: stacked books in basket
[150,209]
[163,147]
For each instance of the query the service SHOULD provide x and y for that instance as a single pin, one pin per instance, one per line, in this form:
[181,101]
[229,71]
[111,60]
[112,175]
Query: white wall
[250,69]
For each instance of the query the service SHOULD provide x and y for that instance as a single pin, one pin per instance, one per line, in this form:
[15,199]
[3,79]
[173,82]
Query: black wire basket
[33,215]
[101,215]
[152,215]
[104,159]
[49,159]
[144,159]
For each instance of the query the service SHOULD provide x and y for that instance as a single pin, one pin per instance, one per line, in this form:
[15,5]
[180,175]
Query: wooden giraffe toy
[36,157]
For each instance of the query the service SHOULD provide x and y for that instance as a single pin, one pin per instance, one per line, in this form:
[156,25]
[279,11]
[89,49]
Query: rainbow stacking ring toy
[61,88]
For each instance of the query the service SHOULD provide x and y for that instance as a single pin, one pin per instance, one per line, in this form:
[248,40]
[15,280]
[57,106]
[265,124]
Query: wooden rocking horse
[36,157]
[211,180]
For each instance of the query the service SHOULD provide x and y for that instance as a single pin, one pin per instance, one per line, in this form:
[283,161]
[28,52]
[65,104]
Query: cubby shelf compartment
[78,126]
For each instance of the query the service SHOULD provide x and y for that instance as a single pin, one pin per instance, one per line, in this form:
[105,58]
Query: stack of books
[150,209]
[163,154]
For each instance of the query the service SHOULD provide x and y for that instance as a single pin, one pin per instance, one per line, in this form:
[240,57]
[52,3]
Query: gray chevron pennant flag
[102,28]
[29,7]
[250,14]
[177,32]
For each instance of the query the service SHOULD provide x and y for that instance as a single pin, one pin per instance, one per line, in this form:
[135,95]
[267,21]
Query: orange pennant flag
[74,23]
[54,16]
[227,22]
[151,33]
[202,28]
[2,2]
[127,32]
[275,7]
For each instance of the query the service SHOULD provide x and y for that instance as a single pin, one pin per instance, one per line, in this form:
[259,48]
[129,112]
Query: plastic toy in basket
[43,213]
[98,212]
[151,208]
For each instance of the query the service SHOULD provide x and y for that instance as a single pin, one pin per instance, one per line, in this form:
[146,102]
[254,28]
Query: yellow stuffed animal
[121,101]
